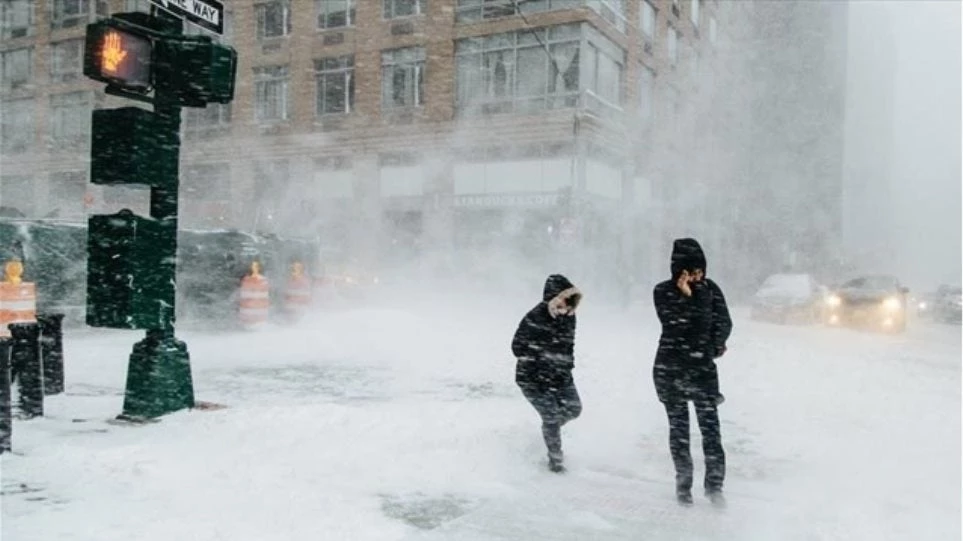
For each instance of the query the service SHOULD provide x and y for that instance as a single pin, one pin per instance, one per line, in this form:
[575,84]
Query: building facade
[392,127]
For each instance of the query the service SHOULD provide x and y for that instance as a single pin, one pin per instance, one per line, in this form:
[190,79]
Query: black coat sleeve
[686,321]
[721,320]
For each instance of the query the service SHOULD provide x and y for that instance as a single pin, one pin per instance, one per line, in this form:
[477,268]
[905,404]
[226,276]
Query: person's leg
[678,414]
[545,403]
[569,403]
[707,415]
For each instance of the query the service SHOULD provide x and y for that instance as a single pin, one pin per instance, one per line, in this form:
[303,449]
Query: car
[946,305]
[877,302]
[924,305]
[789,298]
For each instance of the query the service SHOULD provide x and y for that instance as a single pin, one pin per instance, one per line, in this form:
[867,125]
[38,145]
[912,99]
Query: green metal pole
[159,379]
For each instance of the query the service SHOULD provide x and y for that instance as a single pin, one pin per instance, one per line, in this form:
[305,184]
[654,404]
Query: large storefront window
[522,72]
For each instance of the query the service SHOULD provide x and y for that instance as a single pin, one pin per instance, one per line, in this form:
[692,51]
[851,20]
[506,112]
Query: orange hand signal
[113,54]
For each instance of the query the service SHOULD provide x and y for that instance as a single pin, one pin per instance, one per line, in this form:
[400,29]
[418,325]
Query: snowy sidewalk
[420,435]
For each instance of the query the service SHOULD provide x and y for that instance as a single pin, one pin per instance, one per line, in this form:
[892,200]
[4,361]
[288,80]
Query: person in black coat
[695,326]
[544,346]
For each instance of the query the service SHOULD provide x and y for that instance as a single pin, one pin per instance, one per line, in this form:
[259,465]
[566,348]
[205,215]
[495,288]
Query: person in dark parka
[695,327]
[544,346]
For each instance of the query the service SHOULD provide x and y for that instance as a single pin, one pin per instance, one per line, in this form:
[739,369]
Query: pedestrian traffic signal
[118,53]
[138,54]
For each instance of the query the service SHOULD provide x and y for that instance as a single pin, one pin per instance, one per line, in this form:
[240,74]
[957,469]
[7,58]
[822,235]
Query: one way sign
[207,14]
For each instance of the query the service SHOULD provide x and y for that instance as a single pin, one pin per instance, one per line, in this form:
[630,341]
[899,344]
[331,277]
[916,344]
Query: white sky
[925,223]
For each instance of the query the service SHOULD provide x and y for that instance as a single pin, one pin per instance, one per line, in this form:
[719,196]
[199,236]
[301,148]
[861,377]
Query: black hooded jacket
[694,330]
[544,342]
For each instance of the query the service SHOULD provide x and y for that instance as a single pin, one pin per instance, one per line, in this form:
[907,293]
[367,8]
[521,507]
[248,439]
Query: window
[335,13]
[646,93]
[514,71]
[403,77]
[70,13]
[16,125]
[16,18]
[694,11]
[647,19]
[66,60]
[17,67]
[271,93]
[712,29]
[140,5]
[604,75]
[212,117]
[403,8]
[335,85]
[612,11]
[70,117]
[477,10]
[672,45]
[273,19]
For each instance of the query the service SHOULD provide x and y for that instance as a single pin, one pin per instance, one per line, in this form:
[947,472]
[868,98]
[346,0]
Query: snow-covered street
[402,422]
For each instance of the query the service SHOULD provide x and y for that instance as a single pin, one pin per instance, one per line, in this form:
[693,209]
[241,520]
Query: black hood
[687,254]
[554,285]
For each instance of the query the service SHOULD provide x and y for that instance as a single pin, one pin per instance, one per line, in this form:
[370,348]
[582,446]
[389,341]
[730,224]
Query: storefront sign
[506,200]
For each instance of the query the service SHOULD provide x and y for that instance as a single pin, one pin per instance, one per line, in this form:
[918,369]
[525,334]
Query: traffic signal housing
[129,285]
[131,145]
[195,70]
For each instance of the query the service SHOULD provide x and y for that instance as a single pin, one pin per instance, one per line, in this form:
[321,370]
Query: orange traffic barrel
[255,298]
[18,299]
[297,294]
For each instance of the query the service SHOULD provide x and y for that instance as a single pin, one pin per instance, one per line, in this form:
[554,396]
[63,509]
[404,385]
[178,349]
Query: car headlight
[923,306]
[834,301]
[892,304]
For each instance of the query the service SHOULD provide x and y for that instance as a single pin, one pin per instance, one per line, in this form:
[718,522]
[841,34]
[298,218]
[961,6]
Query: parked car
[876,302]
[924,304]
[946,305]
[789,298]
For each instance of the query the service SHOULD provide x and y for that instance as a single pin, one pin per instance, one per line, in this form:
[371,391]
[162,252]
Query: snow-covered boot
[716,497]
[683,489]
[556,462]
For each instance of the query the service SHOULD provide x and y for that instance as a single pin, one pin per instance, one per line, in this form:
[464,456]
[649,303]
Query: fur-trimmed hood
[558,292]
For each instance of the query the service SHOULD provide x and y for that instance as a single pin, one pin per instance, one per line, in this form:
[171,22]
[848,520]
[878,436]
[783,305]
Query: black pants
[556,405]
[707,415]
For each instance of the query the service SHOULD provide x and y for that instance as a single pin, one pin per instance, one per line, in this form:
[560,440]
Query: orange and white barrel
[297,295]
[18,304]
[255,300]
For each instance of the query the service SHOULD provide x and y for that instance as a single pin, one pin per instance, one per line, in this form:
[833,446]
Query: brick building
[390,126]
